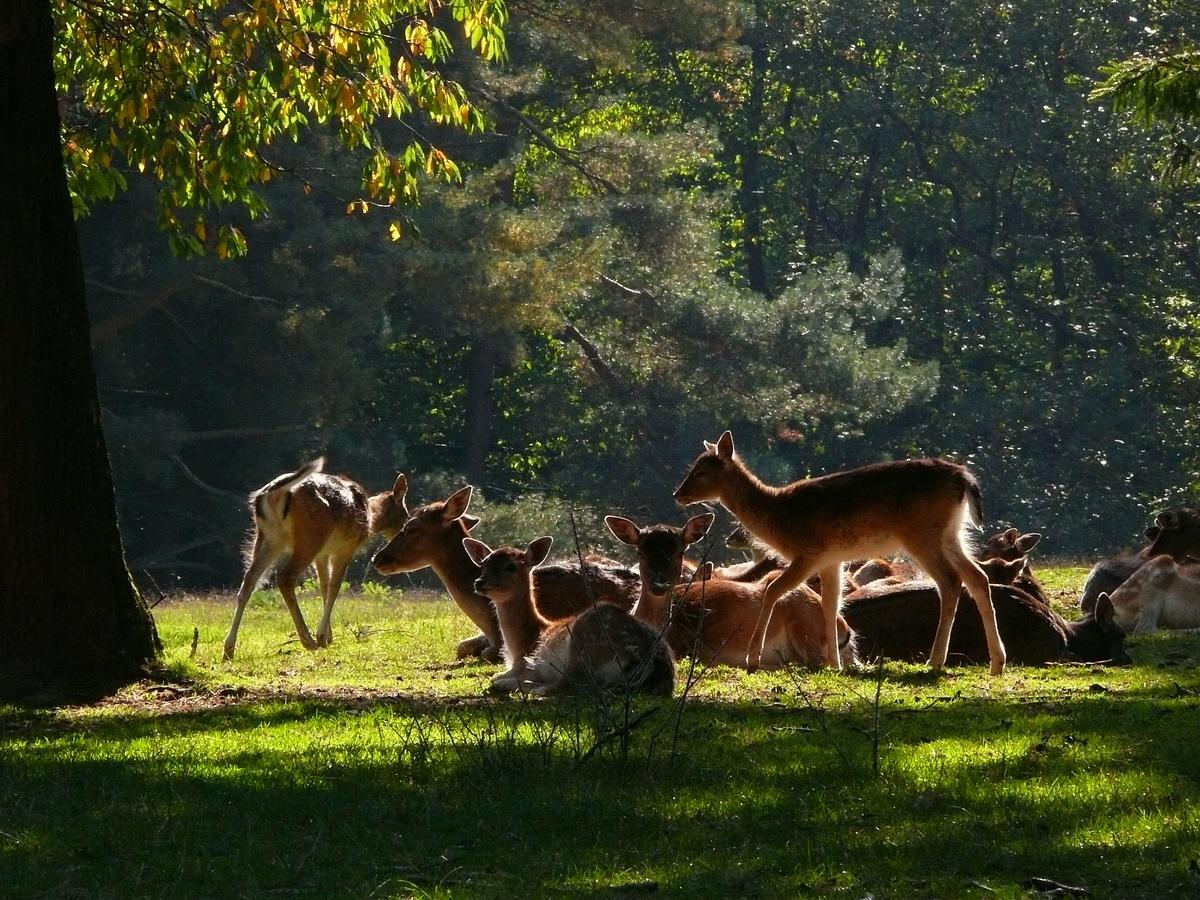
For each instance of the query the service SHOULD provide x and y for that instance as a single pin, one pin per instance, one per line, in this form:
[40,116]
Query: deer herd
[818,590]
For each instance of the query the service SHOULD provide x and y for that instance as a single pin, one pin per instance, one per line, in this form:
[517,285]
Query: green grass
[379,768]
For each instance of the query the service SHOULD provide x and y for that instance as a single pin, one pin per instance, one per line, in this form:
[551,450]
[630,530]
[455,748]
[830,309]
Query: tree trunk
[481,406]
[71,621]
[746,145]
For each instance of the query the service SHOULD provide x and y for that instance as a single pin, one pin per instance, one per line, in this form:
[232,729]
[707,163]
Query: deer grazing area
[380,767]
[372,524]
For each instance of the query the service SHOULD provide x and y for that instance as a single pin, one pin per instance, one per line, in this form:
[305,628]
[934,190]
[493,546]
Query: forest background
[849,232]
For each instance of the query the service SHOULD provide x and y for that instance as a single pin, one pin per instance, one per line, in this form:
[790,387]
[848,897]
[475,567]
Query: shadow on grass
[392,796]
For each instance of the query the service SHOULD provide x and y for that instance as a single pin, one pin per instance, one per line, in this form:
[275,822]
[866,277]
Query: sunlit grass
[380,768]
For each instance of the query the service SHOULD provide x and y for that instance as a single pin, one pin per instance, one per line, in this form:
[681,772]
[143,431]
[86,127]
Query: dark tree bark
[481,407]
[71,621]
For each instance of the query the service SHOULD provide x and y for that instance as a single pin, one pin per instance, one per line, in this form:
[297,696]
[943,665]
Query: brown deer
[433,537]
[1010,545]
[603,648]
[914,505]
[307,518]
[1175,532]
[899,620]
[713,620]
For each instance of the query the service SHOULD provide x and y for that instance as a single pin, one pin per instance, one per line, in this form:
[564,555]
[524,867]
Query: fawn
[713,620]
[433,536]
[817,523]
[603,647]
[305,518]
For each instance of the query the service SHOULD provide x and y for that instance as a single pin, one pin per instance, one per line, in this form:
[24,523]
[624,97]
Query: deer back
[899,622]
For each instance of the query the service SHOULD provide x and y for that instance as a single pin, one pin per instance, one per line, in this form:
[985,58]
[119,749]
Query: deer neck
[751,502]
[458,573]
[521,625]
[651,609]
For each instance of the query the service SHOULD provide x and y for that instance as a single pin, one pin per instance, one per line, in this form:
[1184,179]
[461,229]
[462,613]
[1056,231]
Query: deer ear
[477,550]
[400,488]
[469,522]
[1167,520]
[456,504]
[1105,611]
[537,551]
[697,527]
[1011,535]
[622,529]
[1027,542]
[710,448]
[703,573]
[725,446]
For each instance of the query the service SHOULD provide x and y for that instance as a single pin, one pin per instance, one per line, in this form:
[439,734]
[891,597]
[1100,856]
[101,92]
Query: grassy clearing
[379,769]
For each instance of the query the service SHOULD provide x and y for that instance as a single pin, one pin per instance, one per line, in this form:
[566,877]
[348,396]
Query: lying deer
[433,536]
[899,620]
[1175,532]
[603,647]
[764,562]
[308,518]
[1011,545]
[713,620]
[914,505]
[1160,594]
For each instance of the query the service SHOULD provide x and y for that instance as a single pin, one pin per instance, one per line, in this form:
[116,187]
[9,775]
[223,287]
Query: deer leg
[977,586]
[287,587]
[831,599]
[261,559]
[793,575]
[331,586]
[1147,620]
[949,584]
[480,645]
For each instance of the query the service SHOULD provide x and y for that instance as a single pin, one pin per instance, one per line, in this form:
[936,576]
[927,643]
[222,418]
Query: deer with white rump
[919,506]
[307,518]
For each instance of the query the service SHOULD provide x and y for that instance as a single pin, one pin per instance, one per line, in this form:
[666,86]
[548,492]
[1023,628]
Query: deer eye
[510,567]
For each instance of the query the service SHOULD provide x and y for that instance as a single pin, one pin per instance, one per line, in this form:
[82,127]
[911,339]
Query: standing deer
[603,647]
[915,505]
[305,518]
[713,620]
[433,536]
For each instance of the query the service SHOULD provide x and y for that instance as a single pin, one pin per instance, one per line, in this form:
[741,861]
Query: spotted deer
[1175,532]
[713,620]
[307,518]
[433,536]
[1160,594]
[919,506]
[603,648]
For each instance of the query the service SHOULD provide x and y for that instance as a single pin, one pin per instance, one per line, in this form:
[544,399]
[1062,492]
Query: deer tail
[284,484]
[974,499]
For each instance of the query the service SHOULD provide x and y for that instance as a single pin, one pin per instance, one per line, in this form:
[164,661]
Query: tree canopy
[849,232]
[199,94]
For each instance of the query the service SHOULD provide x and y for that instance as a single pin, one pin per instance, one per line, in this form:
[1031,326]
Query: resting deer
[603,647]
[1175,532]
[433,536]
[1010,545]
[713,620]
[899,620]
[914,505]
[308,518]
[1160,594]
